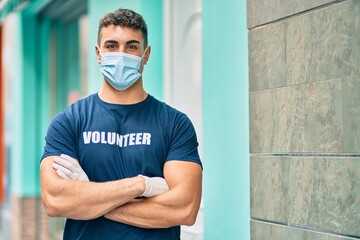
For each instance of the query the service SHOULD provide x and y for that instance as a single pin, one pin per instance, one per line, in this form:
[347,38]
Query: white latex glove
[154,186]
[69,168]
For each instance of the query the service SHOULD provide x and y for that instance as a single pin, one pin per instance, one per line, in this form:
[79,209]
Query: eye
[111,46]
[132,47]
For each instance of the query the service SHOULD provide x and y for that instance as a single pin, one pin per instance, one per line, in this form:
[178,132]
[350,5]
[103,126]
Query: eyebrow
[116,42]
[111,41]
[132,41]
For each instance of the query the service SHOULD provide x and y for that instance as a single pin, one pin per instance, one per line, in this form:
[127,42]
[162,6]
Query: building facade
[49,61]
[271,87]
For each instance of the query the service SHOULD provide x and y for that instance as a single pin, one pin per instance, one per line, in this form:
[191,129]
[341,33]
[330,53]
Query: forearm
[88,200]
[84,200]
[177,207]
[163,211]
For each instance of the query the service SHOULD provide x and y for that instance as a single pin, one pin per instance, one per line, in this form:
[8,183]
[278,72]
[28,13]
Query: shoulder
[80,106]
[74,111]
[168,110]
[175,120]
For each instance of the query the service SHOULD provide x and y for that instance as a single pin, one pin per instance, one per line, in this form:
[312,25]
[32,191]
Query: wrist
[142,184]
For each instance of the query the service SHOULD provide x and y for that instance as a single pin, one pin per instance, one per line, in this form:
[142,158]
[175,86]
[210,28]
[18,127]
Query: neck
[132,95]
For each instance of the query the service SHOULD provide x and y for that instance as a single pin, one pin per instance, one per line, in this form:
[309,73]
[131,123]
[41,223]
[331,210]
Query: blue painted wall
[226,127]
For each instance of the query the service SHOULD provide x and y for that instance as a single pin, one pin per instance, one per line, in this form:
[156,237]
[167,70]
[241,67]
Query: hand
[69,168]
[154,186]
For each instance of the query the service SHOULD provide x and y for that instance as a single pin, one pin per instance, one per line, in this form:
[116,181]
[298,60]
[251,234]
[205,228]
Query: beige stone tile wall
[304,62]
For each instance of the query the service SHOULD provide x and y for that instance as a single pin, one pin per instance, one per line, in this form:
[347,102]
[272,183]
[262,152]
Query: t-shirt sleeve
[184,144]
[60,137]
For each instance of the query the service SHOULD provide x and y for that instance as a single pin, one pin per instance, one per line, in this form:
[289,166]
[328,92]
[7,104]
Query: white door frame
[184,20]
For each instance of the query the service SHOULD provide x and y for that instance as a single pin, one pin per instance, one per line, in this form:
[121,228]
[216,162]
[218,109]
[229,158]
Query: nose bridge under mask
[130,55]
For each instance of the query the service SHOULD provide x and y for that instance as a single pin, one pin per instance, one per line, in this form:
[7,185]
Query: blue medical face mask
[121,70]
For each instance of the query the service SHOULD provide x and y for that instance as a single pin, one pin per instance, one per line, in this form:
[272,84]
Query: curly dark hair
[124,18]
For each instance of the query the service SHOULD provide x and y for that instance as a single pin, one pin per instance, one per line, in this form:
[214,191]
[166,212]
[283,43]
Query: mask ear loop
[142,58]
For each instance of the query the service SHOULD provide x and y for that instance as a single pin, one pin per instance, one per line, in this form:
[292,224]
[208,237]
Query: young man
[120,164]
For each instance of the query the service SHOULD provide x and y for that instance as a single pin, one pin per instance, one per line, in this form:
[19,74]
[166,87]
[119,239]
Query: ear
[98,53]
[147,54]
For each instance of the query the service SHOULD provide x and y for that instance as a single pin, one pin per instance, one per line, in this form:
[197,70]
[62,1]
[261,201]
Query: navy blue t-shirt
[112,142]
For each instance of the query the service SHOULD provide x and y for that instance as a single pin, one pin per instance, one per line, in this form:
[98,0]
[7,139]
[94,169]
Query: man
[120,164]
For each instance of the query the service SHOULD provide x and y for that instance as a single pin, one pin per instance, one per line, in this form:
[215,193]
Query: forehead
[120,34]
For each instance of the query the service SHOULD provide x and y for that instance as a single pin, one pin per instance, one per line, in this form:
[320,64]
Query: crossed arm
[87,200]
[179,206]
[84,200]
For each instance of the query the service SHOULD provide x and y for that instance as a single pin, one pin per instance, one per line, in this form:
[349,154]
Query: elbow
[51,212]
[54,205]
[189,220]
[189,212]
[190,215]
[50,207]
[181,216]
